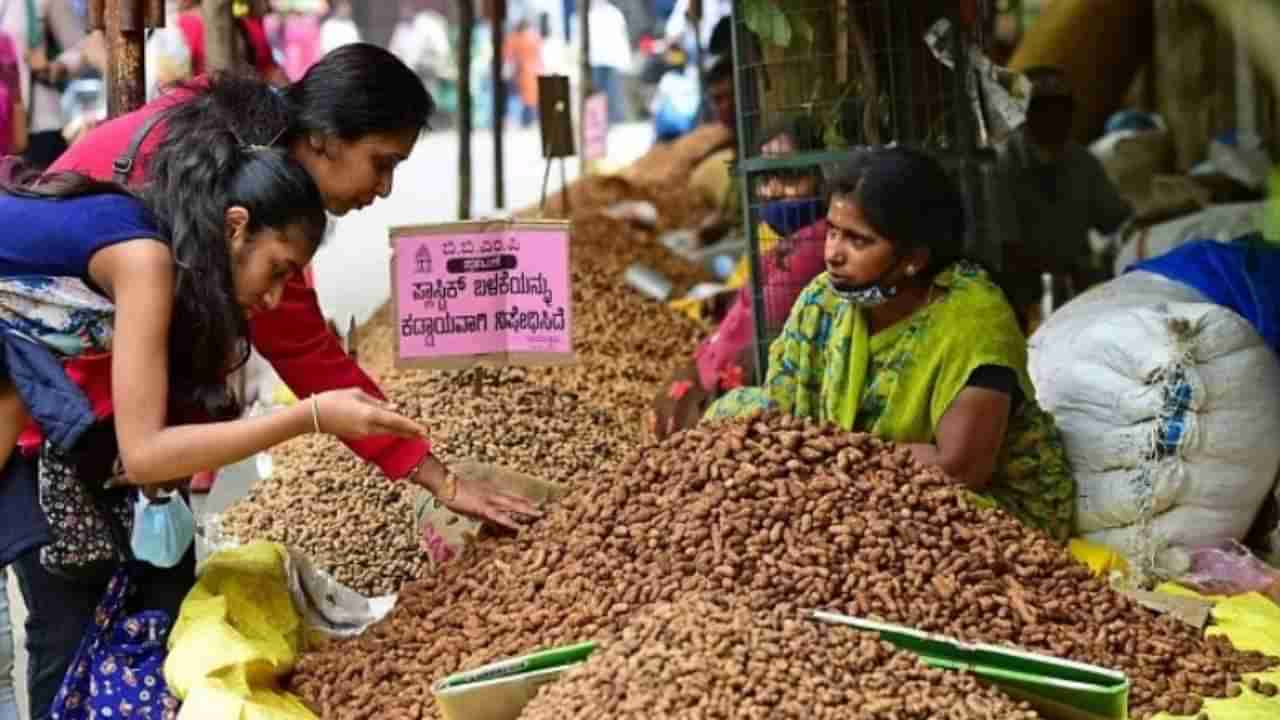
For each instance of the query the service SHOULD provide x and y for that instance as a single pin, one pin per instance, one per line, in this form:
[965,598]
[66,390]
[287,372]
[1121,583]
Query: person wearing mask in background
[1054,192]
[523,51]
[791,233]
[253,51]
[339,28]
[610,54]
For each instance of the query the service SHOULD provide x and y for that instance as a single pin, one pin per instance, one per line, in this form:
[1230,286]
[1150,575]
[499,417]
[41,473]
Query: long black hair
[359,89]
[200,172]
[908,198]
[223,151]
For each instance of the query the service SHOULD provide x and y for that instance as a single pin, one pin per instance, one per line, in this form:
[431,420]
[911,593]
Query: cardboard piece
[471,293]
[1192,611]
[1058,689]
[500,690]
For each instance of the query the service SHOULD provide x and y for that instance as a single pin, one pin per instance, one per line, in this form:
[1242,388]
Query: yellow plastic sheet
[237,634]
[1250,621]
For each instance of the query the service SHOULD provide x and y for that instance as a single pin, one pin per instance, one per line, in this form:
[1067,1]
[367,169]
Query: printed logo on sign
[422,261]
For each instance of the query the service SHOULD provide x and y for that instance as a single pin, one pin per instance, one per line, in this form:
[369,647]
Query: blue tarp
[1243,276]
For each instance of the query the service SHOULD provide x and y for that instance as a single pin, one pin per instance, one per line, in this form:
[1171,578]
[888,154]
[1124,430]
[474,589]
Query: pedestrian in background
[610,54]
[523,55]
[339,28]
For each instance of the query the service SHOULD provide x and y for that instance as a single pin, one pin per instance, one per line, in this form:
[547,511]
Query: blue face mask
[163,529]
[789,216]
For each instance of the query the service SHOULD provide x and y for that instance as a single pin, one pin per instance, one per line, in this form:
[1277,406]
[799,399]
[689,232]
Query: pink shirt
[787,269]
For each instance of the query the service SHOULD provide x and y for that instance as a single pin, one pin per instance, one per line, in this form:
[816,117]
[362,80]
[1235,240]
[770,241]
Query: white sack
[1163,399]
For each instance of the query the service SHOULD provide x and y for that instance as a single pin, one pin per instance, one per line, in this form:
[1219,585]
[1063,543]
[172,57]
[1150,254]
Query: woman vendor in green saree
[903,339]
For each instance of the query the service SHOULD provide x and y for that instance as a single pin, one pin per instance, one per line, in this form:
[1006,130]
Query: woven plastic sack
[1166,407]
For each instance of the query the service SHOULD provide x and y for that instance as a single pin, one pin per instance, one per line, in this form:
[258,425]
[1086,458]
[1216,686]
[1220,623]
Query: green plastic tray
[1059,689]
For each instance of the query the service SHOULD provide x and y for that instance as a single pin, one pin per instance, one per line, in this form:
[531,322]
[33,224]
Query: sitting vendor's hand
[679,404]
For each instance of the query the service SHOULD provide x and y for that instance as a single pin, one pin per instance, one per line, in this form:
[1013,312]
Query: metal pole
[124,24]
[584,31]
[466,21]
[759,315]
[498,20]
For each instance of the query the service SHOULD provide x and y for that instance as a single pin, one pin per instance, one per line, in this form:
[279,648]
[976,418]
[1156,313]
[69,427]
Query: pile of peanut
[359,526]
[699,659]
[778,515]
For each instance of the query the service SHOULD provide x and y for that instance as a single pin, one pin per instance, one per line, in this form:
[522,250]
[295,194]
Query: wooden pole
[466,22]
[219,34]
[498,21]
[123,22]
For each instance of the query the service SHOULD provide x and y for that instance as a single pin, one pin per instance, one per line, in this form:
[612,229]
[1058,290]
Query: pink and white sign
[595,127]
[497,293]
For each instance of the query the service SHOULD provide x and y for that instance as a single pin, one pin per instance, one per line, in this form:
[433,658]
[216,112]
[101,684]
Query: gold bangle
[315,413]
[450,486]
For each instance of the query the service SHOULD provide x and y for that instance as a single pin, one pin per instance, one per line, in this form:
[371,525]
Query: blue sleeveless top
[57,238]
[45,290]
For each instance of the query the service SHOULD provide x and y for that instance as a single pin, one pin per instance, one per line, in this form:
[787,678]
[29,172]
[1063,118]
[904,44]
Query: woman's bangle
[450,490]
[315,413]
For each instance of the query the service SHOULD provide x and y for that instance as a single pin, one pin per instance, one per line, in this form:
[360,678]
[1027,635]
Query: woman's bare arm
[139,276]
[969,437]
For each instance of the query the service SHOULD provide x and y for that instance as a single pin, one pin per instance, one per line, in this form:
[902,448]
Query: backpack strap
[122,166]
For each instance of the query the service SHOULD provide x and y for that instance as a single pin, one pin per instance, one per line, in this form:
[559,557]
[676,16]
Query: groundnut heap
[360,527]
[699,659]
[779,515]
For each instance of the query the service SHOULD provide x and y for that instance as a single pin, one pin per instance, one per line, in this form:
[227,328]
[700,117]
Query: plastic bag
[237,635]
[1228,568]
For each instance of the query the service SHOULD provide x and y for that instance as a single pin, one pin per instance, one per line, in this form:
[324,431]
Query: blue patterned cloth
[62,313]
[118,670]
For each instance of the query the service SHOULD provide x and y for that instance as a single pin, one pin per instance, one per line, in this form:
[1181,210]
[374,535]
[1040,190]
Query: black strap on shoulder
[122,166]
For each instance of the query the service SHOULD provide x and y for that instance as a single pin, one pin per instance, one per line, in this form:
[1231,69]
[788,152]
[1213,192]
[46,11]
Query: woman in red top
[356,116]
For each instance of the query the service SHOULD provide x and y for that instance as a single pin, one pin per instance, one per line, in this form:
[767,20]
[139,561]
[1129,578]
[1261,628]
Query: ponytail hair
[205,168]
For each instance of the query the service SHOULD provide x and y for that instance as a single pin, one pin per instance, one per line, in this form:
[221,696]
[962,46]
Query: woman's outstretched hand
[353,413]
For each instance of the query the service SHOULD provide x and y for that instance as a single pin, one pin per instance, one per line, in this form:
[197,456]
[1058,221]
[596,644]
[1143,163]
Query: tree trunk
[467,22]
[219,35]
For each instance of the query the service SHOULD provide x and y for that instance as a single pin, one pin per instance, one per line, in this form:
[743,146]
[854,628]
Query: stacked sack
[1168,407]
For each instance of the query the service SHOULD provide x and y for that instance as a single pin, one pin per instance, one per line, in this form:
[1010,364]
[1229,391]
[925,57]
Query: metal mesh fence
[818,79]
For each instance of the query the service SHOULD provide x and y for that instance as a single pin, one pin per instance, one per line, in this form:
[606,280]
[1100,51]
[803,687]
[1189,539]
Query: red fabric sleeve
[295,340]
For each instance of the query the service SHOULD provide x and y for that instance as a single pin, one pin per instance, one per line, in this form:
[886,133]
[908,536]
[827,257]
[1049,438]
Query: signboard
[595,127]
[496,293]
